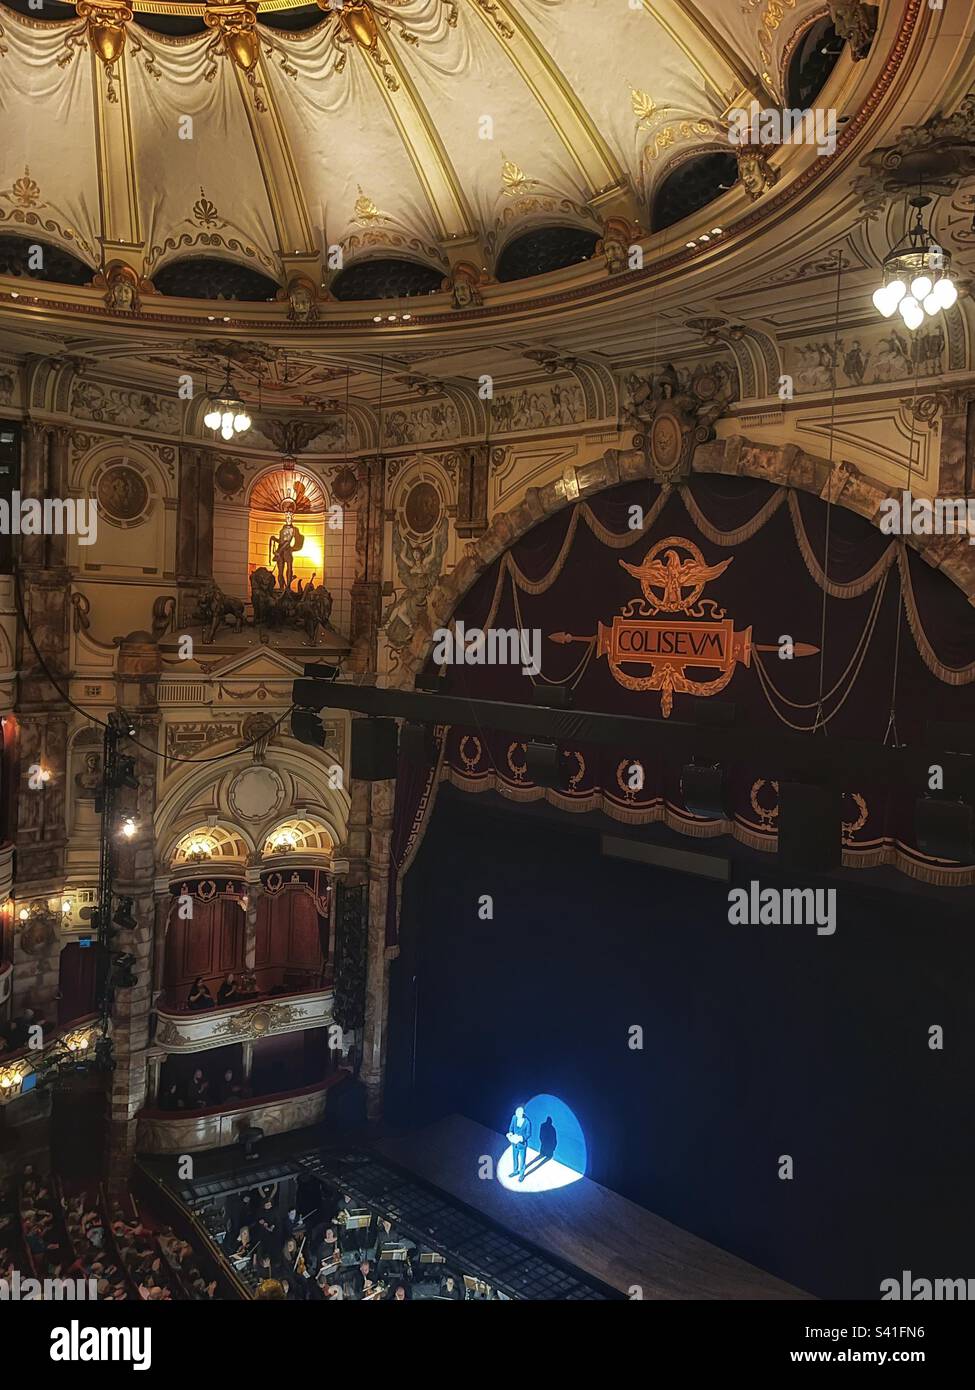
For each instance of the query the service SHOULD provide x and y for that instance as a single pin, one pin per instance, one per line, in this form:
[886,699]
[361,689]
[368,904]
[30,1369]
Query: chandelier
[226,411]
[917,275]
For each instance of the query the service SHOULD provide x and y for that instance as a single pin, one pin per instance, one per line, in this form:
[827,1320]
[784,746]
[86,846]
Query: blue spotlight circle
[557,1154]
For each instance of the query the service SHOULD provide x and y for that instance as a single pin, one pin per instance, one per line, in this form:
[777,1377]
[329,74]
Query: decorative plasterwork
[939,154]
[179,1032]
[23,205]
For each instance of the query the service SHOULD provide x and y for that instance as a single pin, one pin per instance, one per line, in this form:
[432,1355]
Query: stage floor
[583,1223]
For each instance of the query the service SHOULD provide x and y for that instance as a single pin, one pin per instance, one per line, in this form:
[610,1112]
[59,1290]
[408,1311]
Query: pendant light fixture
[226,411]
[917,275]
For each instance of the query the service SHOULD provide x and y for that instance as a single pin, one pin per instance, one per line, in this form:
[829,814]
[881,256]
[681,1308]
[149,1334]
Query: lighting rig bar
[823,760]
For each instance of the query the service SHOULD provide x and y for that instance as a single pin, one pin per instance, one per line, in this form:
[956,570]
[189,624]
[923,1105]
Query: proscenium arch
[785,465]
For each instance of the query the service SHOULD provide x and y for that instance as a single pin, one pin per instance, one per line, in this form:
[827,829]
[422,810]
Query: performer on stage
[519,1133]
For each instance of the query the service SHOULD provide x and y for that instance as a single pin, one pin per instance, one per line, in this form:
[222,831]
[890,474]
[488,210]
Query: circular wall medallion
[666,443]
[422,508]
[344,484]
[122,494]
[256,792]
[229,477]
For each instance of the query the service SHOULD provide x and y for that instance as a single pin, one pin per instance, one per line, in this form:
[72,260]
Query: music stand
[394,1254]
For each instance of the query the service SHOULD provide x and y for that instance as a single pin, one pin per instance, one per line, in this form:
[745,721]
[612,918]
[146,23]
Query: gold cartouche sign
[672,576]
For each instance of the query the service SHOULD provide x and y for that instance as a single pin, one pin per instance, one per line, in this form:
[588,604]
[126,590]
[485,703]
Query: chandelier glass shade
[917,279]
[226,411]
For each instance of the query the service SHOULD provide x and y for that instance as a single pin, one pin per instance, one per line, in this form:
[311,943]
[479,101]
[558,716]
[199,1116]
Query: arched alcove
[544,249]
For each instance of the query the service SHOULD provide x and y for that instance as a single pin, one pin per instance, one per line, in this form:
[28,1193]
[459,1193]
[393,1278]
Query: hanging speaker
[374,749]
[542,762]
[306,726]
[943,829]
[810,827]
[703,791]
[552,696]
[417,744]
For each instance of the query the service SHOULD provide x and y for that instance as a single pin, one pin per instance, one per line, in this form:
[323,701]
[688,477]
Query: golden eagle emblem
[673,575]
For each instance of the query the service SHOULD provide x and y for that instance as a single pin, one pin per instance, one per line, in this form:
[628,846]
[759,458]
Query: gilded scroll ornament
[106,26]
[236,23]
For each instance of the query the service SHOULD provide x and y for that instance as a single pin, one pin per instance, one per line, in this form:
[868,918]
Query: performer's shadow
[547,1143]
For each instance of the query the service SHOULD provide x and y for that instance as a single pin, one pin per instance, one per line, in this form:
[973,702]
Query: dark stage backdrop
[758,1042]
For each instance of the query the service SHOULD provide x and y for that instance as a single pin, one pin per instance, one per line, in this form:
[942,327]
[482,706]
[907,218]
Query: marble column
[60,447]
[33,483]
[152,1079]
[377,957]
[137,690]
[165,904]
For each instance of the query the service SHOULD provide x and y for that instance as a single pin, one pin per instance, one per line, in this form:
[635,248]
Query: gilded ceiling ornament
[25,192]
[24,195]
[106,26]
[365,210]
[772,16]
[668,135]
[644,107]
[515,180]
[236,23]
[359,22]
[501,24]
[205,213]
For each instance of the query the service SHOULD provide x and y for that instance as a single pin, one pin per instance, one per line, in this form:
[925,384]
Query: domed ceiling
[408,128]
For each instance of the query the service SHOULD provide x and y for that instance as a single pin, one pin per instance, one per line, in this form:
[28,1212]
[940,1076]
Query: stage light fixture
[552,696]
[417,743]
[128,828]
[542,764]
[104,1054]
[429,681]
[810,827]
[307,727]
[123,916]
[703,790]
[375,749]
[123,976]
[943,829]
[125,774]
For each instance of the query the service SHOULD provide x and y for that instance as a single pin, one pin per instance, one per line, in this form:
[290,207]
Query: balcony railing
[246,1021]
[186,1131]
[17,1069]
